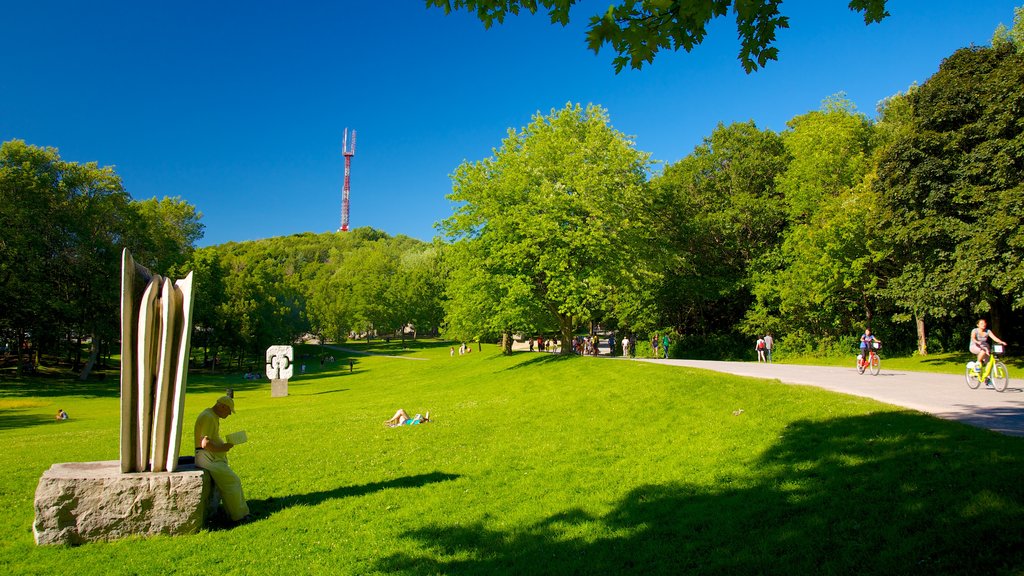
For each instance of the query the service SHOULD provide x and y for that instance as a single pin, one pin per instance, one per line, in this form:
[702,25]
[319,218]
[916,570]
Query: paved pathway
[942,395]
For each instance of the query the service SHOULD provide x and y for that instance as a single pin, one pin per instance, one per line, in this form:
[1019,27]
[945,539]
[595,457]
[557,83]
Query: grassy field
[538,464]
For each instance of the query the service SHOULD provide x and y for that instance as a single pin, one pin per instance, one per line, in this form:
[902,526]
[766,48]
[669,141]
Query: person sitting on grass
[401,418]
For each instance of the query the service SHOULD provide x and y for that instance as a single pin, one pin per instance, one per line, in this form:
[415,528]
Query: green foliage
[1012,38]
[638,29]
[953,185]
[65,225]
[556,228]
[169,229]
[541,464]
[721,212]
[824,276]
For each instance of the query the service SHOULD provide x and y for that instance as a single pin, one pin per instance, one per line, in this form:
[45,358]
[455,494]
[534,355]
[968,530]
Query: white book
[236,437]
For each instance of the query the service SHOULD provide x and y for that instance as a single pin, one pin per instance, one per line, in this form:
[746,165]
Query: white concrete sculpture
[156,330]
[279,369]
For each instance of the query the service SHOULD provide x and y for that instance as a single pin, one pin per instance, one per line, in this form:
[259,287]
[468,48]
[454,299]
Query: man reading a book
[212,455]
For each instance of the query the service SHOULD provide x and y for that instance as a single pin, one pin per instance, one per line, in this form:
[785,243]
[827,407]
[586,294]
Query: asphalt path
[942,395]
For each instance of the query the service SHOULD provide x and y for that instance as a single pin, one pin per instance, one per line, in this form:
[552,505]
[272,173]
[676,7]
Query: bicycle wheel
[1000,377]
[876,364]
[861,366]
[972,379]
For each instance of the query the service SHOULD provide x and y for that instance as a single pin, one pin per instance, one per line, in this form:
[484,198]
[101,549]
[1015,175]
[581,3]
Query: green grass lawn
[538,464]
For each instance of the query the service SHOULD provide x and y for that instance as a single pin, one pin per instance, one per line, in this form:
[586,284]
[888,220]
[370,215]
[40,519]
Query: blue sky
[239,107]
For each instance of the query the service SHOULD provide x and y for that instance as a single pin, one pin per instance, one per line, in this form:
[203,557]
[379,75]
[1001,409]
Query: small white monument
[279,369]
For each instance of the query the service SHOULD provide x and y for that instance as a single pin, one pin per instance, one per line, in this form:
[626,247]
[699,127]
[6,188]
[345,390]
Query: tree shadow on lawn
[542,358]
[887,493]
[50,387]
[268,506]
[10,419]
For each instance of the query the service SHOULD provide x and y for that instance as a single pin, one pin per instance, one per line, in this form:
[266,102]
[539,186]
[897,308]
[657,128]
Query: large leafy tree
[556,227]
[722,213]
[953,181]
[64,226]
[638,29]
[168,231]
[822,280]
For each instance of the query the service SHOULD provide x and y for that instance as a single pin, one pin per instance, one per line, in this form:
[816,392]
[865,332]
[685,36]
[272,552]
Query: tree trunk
[506,343]
[565,327]
[996,325]
[922,341]
[94,352]
[21,345]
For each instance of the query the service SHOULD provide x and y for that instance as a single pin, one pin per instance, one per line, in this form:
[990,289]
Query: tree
[953,185]
[1011,38]
[64,226]
[638,29]
[822,279]
[556,225]
[168,231]
[721,212]
[416,289]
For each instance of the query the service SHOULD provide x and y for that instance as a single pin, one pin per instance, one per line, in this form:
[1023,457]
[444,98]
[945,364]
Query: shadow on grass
[268,506]
[10,419]
[319,393]
[888,493]
[380,348]
[541,358]
[50,387]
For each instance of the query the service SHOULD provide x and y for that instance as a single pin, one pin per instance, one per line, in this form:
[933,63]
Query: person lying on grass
[401,418]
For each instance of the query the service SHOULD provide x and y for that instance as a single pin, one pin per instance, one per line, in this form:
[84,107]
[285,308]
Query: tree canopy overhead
[638,29]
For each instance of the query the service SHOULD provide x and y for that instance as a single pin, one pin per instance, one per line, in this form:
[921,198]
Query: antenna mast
[348,153]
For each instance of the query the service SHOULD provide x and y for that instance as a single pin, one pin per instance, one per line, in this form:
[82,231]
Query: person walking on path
[664,345]
[759,346]
[769,343]
[212,455]
[625,346]
[654,345]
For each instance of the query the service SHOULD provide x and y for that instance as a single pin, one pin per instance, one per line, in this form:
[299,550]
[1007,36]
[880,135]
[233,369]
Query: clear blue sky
[239,106]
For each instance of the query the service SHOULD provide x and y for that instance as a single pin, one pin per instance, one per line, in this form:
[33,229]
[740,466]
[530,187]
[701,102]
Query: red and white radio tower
[348,153]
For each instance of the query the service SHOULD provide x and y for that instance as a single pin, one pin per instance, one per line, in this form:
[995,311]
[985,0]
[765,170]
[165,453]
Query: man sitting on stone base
[212,455]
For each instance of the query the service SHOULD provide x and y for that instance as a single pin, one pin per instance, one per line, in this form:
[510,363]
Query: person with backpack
[760,347]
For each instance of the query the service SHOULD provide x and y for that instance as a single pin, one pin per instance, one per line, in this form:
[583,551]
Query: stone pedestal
[278,388]
[81,502]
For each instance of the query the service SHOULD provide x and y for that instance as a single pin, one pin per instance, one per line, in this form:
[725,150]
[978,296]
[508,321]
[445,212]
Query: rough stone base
[278,388]
[81,502]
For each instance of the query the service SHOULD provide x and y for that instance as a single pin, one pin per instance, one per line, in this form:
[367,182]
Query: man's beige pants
[228,483]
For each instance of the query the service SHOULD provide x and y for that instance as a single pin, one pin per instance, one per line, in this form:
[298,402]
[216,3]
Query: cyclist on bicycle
[979,342]
[865,343]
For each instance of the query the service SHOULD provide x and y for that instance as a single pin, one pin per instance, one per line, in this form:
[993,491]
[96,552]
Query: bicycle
[994,372]
[872,360]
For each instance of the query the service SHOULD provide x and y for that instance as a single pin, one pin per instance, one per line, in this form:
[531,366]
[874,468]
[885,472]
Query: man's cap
[227,401]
